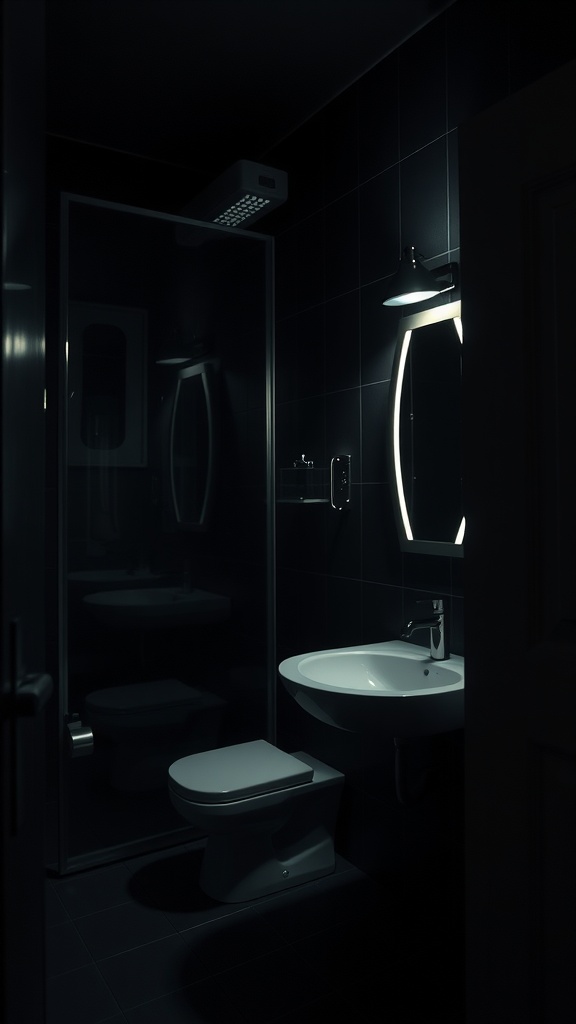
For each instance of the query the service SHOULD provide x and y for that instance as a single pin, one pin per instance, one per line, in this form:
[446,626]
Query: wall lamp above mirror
[413,282]
[425,432]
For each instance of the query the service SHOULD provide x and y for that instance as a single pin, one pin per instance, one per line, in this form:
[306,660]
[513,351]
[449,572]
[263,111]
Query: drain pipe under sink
[407,794]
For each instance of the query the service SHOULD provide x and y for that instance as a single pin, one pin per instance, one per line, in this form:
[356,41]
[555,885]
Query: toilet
[269,817]
[146,724]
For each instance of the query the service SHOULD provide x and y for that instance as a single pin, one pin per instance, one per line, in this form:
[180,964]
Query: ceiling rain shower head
[240,196]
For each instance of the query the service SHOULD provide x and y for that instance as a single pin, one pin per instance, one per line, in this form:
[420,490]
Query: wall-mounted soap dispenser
[340,482]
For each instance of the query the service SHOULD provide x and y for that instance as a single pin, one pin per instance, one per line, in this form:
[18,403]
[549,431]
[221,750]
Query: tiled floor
[138,942]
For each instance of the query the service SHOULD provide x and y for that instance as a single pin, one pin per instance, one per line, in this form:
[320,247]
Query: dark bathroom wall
[374,171]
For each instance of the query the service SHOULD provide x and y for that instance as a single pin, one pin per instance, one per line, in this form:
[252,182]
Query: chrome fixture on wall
[412,282]
[240,196]
[340,482]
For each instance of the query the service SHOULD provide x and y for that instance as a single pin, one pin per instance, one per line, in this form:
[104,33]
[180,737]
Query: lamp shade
[411,282]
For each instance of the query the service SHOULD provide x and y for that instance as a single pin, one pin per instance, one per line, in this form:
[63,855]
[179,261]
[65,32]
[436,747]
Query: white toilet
[145,724]
[269,817]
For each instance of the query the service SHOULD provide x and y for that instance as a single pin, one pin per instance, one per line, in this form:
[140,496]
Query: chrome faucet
[436,624]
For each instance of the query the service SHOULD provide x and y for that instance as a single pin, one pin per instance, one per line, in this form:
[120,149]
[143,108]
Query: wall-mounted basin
[393,688]
[157,607]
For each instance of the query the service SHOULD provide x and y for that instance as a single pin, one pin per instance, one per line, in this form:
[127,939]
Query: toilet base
[245,867]
[265,841]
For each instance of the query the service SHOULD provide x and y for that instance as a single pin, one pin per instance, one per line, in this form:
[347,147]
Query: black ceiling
[202,83]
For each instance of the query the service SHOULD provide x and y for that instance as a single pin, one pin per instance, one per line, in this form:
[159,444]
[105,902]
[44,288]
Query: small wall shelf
[304,485]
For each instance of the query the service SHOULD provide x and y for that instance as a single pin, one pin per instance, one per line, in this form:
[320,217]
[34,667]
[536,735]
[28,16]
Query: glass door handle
[32,695]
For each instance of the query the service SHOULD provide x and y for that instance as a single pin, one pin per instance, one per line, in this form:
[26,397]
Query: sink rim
[290,669]
[160,607]
[141,598]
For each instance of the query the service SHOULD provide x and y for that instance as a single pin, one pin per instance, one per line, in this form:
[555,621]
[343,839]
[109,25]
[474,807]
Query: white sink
[157,607]
[394,688]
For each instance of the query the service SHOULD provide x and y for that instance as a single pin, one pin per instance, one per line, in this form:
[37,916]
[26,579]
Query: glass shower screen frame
[75,286]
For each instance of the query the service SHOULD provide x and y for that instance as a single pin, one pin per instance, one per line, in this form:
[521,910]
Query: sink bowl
[157,607]
[393,688]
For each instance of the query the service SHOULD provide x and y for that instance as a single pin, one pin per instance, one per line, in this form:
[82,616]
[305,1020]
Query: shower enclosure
[165,616]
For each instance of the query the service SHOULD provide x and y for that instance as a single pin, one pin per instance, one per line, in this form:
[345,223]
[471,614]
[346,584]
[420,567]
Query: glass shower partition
[166,637]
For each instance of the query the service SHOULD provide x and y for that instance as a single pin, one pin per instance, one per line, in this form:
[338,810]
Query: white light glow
[458,326]
[241,210]
[461,529]
[407,297]
[15,346]
[173,360]
[396,436]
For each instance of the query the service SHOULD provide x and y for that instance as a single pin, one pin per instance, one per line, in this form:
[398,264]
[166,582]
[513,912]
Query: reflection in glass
[192,445]
[103,418]
[173,543]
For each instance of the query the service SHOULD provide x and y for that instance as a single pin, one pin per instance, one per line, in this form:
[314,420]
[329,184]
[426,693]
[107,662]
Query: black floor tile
[151,971]
[94,890]
[65,950]
[333,1008]
[56,912]
[80,997]
[260,986]
[203,1003]
[122,928]
[139,942]
[234,940]
[334,900]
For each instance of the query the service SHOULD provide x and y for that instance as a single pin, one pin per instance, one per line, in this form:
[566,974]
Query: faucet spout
[415,624]
[436,624]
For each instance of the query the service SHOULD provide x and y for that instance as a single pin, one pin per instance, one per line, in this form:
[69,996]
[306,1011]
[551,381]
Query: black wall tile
[301,612]
[300,353]
[422,85]
[340,127]
[341,246]
[379,225]
[541,39]
[343,427]
[378,119]
[375,432]
[382,611]
[343,611]
[381,558]
[453,191]
[477,57]
[424,199]
[342,349]
[309,266]
[378,332]
[343,538]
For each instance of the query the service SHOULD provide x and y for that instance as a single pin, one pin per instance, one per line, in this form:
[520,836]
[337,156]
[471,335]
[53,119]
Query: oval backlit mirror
[425,432]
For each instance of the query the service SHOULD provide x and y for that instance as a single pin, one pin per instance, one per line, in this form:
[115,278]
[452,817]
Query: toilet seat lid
[234,773]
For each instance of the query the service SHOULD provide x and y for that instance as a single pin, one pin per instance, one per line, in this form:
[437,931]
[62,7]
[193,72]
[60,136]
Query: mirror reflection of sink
[393,688]
[159,607]
[112,577]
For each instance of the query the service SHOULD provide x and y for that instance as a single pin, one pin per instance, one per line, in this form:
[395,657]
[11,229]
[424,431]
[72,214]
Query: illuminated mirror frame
[408,324]
[206,373]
